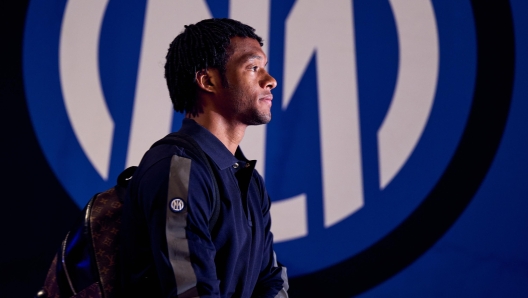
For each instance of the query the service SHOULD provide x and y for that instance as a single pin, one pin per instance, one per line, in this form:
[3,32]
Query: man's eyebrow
[248,57]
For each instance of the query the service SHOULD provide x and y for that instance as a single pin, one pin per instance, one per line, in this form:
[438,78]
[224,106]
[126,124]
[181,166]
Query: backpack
[86,264]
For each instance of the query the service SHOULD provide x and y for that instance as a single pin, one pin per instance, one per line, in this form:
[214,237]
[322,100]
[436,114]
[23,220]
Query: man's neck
[230,134]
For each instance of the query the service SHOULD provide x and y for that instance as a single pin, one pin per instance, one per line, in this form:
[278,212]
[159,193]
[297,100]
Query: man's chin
[260,119]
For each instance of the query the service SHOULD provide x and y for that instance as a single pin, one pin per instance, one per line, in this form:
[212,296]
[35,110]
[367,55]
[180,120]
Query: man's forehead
[245,48]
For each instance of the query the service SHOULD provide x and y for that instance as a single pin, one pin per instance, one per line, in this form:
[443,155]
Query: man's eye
[254,68]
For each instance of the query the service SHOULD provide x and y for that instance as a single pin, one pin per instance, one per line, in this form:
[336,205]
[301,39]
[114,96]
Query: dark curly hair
[199,47]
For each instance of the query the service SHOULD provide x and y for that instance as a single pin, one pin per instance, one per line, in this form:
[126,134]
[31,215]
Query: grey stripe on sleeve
[178,245]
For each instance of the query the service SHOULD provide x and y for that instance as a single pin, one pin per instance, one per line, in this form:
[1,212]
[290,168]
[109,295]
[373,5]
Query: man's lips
[267,98]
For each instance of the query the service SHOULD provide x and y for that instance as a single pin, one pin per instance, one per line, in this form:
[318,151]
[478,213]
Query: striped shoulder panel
[176,221]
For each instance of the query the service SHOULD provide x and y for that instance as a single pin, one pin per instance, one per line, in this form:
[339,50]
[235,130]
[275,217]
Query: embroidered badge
[177,205]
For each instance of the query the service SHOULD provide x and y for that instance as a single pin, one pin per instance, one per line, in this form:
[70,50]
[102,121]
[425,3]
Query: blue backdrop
[435,202]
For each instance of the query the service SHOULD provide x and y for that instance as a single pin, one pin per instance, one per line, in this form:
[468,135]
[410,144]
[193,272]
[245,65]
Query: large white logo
[313,27]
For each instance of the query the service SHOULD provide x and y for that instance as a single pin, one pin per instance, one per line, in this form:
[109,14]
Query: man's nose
[269,81]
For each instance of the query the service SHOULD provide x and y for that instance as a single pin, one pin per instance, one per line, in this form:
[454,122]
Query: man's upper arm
[178,213]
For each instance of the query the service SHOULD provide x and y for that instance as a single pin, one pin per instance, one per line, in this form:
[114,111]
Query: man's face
[247,96]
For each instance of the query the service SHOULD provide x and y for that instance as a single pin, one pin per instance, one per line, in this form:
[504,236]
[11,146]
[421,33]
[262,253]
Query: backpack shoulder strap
[187,142]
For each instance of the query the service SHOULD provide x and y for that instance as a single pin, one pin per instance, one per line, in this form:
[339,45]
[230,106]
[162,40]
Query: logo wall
[372,101]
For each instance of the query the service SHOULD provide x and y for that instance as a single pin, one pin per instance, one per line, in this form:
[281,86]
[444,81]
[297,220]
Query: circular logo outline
[438,182]
[177,205]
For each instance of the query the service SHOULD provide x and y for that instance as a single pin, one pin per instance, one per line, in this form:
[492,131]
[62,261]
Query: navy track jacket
[167,247]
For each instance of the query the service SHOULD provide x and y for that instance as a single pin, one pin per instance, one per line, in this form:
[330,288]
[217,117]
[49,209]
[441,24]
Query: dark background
[36,212]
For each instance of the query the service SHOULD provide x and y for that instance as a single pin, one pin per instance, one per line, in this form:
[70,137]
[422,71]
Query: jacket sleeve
[177,214]
[273,279]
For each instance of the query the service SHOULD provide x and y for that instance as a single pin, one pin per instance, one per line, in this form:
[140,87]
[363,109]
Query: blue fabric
[235,259]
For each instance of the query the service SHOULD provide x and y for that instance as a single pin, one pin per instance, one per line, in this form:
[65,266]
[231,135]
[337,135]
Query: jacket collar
[211,145]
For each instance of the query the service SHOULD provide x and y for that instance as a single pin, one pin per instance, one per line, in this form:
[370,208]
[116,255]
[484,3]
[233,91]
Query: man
[216,75]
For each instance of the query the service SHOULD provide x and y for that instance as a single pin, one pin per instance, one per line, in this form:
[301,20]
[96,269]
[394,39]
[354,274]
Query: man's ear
[208,79]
